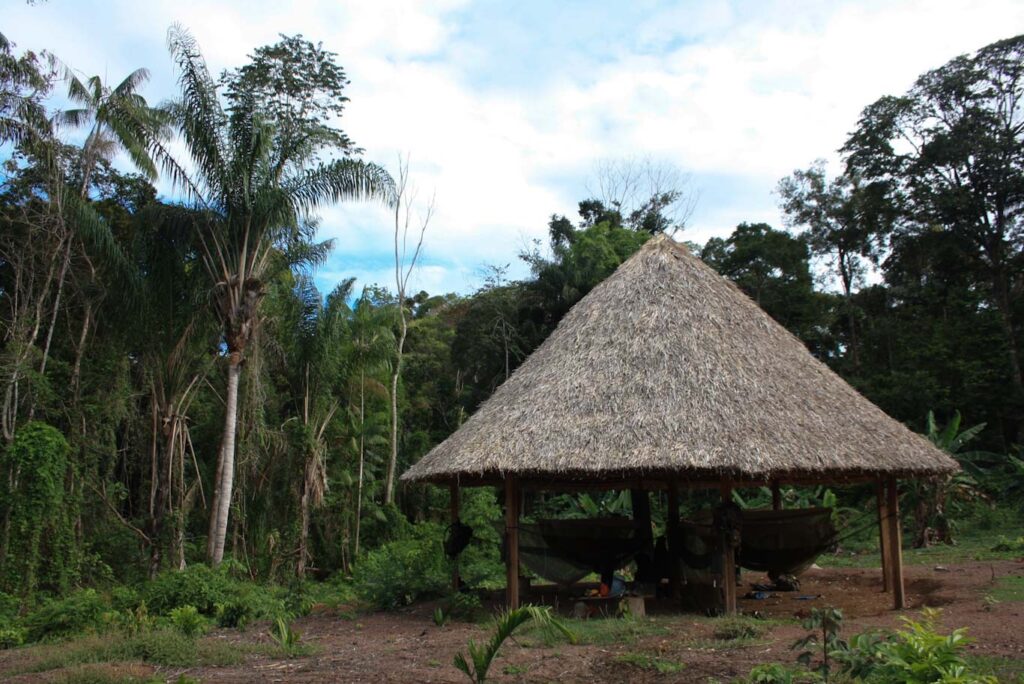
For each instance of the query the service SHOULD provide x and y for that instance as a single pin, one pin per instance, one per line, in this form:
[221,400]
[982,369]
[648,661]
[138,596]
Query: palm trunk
[225,466]
[362,459]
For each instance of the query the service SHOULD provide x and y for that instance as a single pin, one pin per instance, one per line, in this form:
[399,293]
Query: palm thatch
[666,370]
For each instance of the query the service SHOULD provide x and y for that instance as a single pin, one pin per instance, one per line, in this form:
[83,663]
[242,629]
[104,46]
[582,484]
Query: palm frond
[341,179]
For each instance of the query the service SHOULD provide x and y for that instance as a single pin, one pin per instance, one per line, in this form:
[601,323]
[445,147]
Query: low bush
[78,612]
[916,654]
[196,585]
[401,572]
[188,621]
[235,613]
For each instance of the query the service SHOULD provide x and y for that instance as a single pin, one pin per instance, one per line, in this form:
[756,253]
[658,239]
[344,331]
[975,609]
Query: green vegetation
[191,433]
[482,655]
[916,654]
[653,663]
[1009,589]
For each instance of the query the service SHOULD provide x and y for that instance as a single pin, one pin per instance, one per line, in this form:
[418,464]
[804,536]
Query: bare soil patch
[406,645]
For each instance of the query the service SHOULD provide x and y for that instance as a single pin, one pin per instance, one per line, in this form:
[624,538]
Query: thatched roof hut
[666,370]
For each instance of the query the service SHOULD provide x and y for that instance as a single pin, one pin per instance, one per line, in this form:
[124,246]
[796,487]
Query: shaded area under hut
[666,377]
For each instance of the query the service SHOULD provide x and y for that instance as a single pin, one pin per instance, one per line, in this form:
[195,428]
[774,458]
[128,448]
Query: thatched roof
[666,370]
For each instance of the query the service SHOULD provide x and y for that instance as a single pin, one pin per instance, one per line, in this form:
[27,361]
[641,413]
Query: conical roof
[667,370]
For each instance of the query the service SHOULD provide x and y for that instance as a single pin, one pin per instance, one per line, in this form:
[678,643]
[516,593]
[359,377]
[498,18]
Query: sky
[507,109]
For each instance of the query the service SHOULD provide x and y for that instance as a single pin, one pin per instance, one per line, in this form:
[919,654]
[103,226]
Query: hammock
[777,542]
[566,551]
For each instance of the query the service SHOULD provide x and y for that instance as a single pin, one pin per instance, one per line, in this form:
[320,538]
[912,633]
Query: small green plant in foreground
[916,654]
[826,622]
[482,655]
[284,635]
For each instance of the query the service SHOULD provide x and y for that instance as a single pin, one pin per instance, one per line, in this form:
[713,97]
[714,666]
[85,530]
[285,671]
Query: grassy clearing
[973,545]
[1008,589]
[161,647]
[651,663]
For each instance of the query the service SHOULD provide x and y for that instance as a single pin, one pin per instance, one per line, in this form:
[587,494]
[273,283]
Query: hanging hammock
[777,542]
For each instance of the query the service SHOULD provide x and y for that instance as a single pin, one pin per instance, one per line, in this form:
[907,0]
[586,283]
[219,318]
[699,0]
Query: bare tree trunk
[403,218]
[56,305]
[225,465]
[389,483]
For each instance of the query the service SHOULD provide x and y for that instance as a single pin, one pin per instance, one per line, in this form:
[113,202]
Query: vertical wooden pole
[883,535]
[453,505]
[672,530]
[640,500]
[895,546]
[512,542]
[776,496]
[728,559]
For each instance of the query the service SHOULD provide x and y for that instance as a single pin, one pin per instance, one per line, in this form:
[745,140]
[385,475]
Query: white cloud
[740,93]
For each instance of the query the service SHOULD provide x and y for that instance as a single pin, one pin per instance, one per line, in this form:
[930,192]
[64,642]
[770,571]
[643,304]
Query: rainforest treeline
[175,389]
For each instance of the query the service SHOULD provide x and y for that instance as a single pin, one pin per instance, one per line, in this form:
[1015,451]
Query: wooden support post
[512,542]
[453,505]
[895,546]
[641,502]
[776,496]
[883,535]
[728,559]
[672,530]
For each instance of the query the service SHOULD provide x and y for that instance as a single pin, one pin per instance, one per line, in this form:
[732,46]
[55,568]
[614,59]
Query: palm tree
[257,203]
[315,362]
[119,119]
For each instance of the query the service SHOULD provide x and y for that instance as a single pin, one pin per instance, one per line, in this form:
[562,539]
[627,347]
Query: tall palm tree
[257,202]
[315,360]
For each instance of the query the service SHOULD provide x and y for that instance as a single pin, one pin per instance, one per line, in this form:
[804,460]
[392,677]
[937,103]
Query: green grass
[972,545]
[1009,670]
[651,663]
[600,631]
[160,647]
[1008,589]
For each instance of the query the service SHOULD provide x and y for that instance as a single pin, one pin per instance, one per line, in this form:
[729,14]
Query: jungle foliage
[175,389]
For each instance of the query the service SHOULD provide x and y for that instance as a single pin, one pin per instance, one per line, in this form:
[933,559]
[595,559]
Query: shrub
[401,572]
[10,637]
[919,654]
[124,598]
[188,621]
[196,585]
[463,606]
[133,621]
[234,613]
[77,612]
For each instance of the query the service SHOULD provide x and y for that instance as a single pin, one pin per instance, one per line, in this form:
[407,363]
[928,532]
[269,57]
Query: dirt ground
[406,646]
